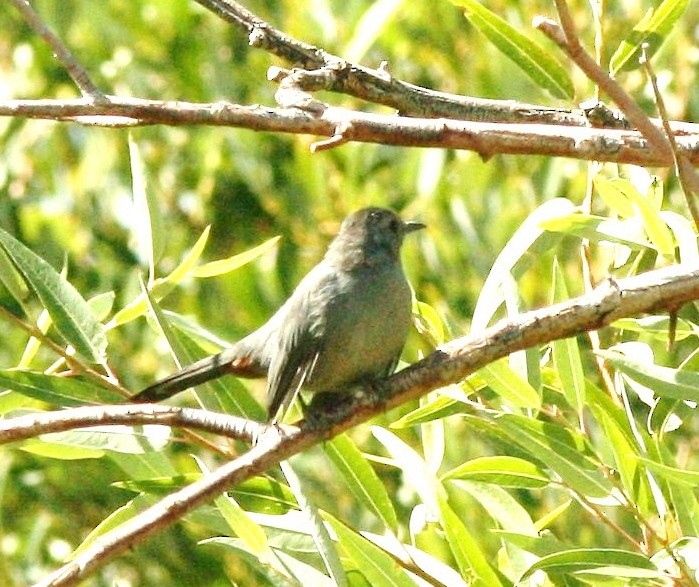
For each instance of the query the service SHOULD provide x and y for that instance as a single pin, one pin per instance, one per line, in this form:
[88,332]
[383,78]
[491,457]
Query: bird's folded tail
[227,362]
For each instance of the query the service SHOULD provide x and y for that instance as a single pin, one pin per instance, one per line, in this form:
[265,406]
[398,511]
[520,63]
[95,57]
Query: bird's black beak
[412,226]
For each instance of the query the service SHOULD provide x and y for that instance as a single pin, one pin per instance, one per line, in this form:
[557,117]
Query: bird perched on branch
[345,323]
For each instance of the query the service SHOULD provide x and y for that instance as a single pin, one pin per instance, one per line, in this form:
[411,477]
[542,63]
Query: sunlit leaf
[652,29]
[70,313]
[535,61]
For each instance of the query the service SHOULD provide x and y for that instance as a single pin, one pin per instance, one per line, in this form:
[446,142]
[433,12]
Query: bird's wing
[298,338]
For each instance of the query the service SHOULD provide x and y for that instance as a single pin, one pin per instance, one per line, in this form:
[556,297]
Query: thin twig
[76,71]
[689,179]
[565,37]
[452,362]
[71,361]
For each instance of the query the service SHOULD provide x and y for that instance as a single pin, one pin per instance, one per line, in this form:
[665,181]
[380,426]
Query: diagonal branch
[666,288]
[62,53]
[377,85]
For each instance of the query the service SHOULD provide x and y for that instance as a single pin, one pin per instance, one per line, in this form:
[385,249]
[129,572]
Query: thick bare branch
[650,292]
[487,139]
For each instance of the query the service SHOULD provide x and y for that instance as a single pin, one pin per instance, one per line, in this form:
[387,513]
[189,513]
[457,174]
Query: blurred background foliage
[65,191]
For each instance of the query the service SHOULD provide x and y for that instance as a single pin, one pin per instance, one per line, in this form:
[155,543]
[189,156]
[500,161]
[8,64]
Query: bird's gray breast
[360,320]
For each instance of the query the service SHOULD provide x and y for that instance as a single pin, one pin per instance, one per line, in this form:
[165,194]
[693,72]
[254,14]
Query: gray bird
[344,324]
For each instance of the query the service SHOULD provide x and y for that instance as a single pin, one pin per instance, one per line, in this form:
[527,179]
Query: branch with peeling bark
[663,289]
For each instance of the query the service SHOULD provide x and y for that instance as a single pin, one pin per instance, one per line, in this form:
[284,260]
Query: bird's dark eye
[394,225]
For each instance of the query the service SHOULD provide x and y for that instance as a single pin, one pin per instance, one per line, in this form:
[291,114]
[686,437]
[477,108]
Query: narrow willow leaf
[656,326]
[299,572]
[60,391]
[313,522]
[522,247]
[70,313]
[441,407]
[500,470]
[147,222]
[532,58]
[61,452]
[12,280]
[415,470]
[223,266]
[361,479]
[113,520]
[599,229]
[502,507]
[672,474]
[645,209]
[605,561]
[559,449]
[566,353]
[664,381]
[379,569]
[469,556]
[509,385]
[653,29]
[163,285]
[243,526]
[122,439]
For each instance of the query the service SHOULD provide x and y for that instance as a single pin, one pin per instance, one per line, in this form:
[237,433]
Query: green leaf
[61,452]
[223,266]
[361,479]
[641,207]
[532,59]
[653,29]
[147,222]
[500,470]
[415,470]
[325,545]
[498,504]
[559,449]
[379,569]
[122,439]
[12,279]
[599,229]
[601,561]
[70,313]
[441,407]
[509,385]
[566,353]
[664,381]
[673,474]
[160,287]
[656,326]
[60,391]
[113,520]
[469,557]
[521,250]
[243,526]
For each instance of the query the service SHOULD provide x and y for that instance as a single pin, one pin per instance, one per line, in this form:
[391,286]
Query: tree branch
[665,288]
[487,139]
[60,51]
[33,425]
